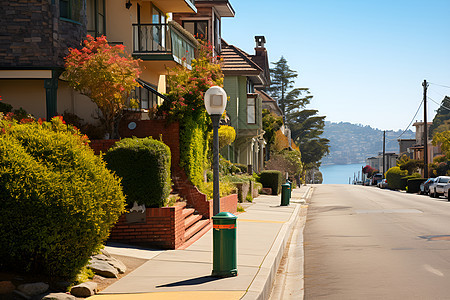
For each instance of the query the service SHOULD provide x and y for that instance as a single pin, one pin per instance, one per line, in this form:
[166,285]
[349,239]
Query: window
[96,17]
[251,111]
[217,38]
[158,30]
[199,29]
[250,87]
[70,9]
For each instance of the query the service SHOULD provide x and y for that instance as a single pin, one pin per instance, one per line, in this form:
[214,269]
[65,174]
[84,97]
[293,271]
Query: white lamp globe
[215,100]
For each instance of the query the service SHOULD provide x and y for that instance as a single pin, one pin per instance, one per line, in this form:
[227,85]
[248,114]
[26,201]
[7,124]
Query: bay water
[340,174]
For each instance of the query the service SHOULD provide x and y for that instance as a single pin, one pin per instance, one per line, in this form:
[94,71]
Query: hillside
[353,143]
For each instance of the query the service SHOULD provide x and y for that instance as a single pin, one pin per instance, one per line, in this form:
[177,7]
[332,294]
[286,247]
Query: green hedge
[404,180]
[414,184]
[394,176]
[144,166]
[58,199]
[194,147]
[271,179]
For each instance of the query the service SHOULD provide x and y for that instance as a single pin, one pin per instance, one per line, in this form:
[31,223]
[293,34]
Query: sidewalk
[262,233]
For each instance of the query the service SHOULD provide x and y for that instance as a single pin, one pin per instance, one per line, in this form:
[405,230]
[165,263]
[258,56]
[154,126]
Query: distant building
[405,145]
[418,148]
[376,162]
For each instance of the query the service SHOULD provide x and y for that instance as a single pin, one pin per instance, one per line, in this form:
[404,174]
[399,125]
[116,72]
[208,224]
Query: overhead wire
[441,85]
[411,120]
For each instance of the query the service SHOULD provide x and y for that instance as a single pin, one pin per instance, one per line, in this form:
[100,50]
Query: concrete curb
[261,286]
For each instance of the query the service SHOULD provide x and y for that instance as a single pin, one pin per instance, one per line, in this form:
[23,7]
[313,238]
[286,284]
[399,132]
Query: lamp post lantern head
[215,100]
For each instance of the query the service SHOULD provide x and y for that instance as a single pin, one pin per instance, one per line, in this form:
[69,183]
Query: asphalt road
[367,243]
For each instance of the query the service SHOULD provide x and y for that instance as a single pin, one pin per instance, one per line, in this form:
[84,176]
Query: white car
[446,191]
[438,186]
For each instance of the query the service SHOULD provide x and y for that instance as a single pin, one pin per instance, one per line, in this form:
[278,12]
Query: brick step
[191,220]
[187,212]
[198,226]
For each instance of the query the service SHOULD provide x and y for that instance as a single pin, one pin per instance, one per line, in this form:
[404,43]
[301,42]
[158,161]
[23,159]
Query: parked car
[437,187]
[376,177]
[446,192]
[425,186]
[382,184]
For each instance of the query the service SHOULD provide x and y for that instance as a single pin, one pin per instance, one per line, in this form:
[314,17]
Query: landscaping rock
[104,252]
[267,191]
[118,265]
[103,268]
[58,296]
[101,257]
[6,287]
[110,260]
[84,289]
[21,295]
[33,289]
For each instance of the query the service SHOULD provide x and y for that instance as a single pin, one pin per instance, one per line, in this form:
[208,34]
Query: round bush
[271,179]
[394,177]
[144,166]
[58,200]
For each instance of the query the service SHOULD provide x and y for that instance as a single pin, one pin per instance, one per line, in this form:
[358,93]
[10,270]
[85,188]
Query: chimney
[260,40]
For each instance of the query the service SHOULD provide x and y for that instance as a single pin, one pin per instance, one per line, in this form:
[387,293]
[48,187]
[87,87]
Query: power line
[411,120]
[441,85]
[440,105]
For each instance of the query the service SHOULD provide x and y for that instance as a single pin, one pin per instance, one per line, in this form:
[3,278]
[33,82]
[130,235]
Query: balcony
[163,42]
[176,6]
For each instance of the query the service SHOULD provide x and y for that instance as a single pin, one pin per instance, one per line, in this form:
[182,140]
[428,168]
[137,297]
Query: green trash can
[285,194]
[224,245]
[290,188]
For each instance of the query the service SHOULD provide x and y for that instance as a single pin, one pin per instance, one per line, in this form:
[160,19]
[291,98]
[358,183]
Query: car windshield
[444,180]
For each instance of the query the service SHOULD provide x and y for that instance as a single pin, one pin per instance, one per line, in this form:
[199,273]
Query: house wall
[29,94]
[245,149]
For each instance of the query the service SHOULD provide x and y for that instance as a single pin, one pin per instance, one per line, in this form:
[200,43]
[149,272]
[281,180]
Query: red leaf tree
[106,74]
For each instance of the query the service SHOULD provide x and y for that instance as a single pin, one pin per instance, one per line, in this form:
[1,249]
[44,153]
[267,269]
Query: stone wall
[33,36]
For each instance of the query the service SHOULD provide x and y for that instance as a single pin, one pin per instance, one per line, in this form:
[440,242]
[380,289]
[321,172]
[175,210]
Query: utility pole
[384,152]
[425,130]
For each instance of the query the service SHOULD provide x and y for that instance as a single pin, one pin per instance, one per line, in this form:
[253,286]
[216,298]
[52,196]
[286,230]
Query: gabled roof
[237,62]
[269,103]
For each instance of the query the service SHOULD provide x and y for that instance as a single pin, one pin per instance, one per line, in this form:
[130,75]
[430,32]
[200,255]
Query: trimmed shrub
[271,179]
[414,184]
[404,180]
[144,166]
[394,176]
[58,200]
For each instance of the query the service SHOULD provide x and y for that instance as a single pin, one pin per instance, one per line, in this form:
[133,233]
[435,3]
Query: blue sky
[364,61]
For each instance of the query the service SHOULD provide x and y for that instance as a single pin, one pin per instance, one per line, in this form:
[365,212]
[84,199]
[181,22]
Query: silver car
[437,188]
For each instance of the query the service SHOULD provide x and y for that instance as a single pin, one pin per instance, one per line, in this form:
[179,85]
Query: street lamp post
[215,103]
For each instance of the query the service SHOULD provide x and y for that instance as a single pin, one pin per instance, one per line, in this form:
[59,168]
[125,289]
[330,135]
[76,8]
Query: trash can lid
[224,215]
[286,184]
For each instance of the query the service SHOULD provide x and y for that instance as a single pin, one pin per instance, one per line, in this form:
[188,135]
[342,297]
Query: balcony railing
[161,42]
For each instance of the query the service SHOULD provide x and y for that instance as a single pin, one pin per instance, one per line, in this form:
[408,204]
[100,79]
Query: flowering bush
[106,74]
[187,87]
[186,105]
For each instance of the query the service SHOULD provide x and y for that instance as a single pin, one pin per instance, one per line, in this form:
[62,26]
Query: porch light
[215,103]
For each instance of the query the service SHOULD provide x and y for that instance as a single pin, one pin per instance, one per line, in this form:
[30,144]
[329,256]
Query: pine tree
[306,126]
